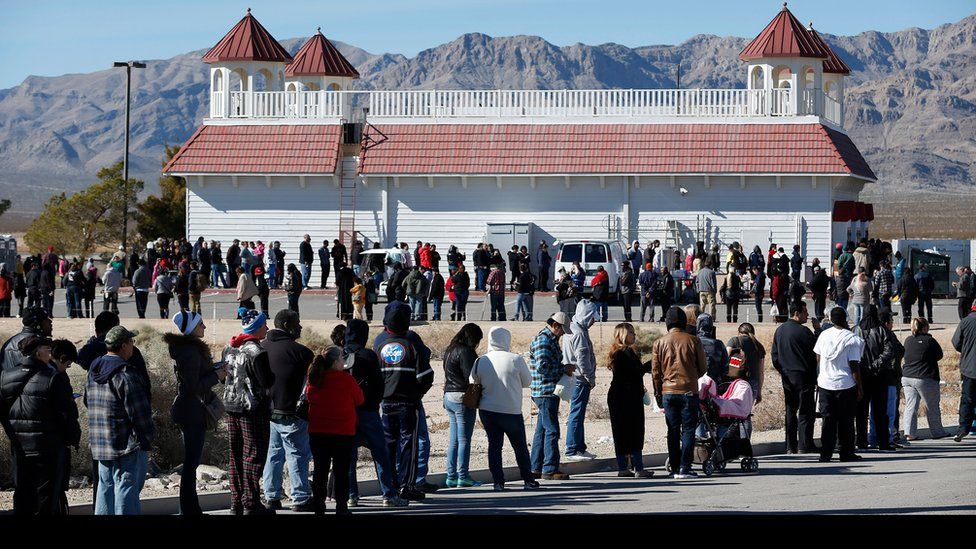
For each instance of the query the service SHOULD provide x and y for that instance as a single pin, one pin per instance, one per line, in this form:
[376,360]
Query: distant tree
[4,206]
[86,220]
[164,216]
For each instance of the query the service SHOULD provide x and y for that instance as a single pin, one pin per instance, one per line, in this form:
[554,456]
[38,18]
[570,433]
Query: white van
[591,254]
[390,256]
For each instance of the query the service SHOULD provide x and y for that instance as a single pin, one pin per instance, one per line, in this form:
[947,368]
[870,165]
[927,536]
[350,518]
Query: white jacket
[503,375]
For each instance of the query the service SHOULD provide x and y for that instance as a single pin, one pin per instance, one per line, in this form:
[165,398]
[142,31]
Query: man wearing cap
[120,425]
[247,400]
[36,322]
[677,361]
[289,361]
[407,376]
[546,367]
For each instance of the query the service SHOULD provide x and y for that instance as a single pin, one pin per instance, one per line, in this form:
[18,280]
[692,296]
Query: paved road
[930,477]
[321,305]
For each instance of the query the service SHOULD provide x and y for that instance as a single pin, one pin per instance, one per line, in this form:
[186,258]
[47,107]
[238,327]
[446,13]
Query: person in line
[625,400]
[481,261]
[198,283]
[248,403]
[293,287]
[40,417]
[753,367]
[731,292]
[839,353]
[233,259]
[692,312]
[578,351]
[706,285]
[627,283]
[339,255]
[495,286]
[364,366]
[544,261]
[964,341]
[513,265]
[926,285]
[462,287]
[324,256]
[877,361]
[820,286]
[261,283]
[74,284]
[525,286]
[196,374]
[36,322]
[884,285]
[182,286]
[503,375]
[436,292]
[648,283]
[305,259]
[907,293]
[794,359]
[860,291]
[120,425]
[459,359]
[920,381]
[7,285]
[217,279]
[964,291]
[358,293]
[758,289]
[163,286]
[407,377]
[665,290]
[601,291]
[547,369]
[141,282]
[716,355]
[677,361]
[113,280]
[289,362]
[333,396]
[414,288]
[779,291]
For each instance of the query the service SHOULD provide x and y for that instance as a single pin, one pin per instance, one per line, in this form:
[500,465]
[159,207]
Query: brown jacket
[677,361]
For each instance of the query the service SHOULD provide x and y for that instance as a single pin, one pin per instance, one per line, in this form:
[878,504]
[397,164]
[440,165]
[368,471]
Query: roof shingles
[271,149]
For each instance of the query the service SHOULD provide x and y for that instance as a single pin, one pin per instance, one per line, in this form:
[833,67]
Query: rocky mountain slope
[911,100]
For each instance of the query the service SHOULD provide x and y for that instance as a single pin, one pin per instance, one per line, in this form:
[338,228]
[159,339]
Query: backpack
[239,394]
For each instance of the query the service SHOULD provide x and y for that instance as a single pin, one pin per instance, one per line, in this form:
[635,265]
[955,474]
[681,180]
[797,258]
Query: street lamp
[129,65]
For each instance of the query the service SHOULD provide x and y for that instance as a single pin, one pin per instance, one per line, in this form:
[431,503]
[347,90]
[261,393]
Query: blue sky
[54,37]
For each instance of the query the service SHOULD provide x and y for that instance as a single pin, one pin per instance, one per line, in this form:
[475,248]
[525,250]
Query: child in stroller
[723,410]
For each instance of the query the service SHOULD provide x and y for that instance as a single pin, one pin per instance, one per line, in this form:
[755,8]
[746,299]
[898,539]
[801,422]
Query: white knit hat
[186,321]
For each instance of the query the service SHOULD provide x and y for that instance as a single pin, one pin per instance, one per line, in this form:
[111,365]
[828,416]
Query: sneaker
[574,457]
[451,483]
[353,501]
[530,485]
[274,504]
[304,507]
[501,487]
[852,457]
[395,501]
[686,474]
[412,495]
[558,475]
[586,455]
[428,488]
[959,436]
[536,475]
[644,473]
[467,483]
[625,473]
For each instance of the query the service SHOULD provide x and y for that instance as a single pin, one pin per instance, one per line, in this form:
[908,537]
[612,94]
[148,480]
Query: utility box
[505,235]
[938,266]
[8,252]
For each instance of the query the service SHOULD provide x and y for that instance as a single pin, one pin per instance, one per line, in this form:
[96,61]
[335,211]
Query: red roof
[272,149]
[832,64]
[784,36]
[318,57]
[509,149]
[247,41]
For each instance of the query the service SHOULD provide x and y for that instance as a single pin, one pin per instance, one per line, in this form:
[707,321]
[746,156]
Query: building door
[505,235]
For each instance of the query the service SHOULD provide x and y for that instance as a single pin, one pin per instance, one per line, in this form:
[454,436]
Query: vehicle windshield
[594,253]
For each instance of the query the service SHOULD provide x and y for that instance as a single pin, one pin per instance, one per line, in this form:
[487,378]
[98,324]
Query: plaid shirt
[545,363]
[883,281]
[119,414]
[496,282]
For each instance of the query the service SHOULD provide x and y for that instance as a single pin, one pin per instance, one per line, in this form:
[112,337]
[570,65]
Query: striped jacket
[545,363]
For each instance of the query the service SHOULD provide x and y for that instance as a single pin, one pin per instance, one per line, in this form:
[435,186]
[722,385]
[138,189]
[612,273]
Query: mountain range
[911,101]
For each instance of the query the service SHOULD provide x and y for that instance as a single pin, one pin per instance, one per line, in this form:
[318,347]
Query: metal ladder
[348,166]
[672,238]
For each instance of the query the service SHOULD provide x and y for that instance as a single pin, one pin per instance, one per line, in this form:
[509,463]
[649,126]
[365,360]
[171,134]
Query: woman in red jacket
[6,291]
[333,396]
[780,291]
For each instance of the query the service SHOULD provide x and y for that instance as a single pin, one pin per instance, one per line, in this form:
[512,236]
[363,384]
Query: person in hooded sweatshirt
[247,400]
[839,353]
[716,355]
[503,375]
[120,425]
[364,366]
[407,377]
[40,417]
[578,350]
[196,374]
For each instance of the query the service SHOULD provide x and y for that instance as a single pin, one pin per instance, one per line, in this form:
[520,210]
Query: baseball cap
[563,320]
[119,335]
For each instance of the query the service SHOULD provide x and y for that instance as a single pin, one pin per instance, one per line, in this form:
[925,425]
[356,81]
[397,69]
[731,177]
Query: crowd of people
[286,405]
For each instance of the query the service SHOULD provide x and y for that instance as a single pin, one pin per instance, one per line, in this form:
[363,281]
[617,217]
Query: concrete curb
[216,501]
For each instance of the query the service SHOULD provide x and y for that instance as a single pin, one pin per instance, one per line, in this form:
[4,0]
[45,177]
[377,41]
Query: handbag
[564,387]
[774,310]
[472,395]
[214,408]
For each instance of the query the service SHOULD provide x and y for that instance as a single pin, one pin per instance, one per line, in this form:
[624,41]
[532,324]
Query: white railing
[436,104]
[833,111]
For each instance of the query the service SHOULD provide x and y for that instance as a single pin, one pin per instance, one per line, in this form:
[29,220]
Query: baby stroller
[723,410]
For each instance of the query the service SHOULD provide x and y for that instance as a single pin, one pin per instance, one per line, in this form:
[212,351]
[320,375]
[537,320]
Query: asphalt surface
[930,477]
[321,305]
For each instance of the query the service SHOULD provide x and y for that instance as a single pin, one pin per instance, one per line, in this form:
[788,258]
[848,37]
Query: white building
[281,155]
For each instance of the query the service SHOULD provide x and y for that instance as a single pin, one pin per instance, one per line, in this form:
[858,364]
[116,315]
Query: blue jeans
[497,427]
[119,483]
[459,438]
[604,310]
[289,441]
[369,433]
[891,407]
[437,309]
[416,307]
[272,276]
[681,416]
[577,417]
[481,274]
[523,306]
[545,443]
[73,296]
[858,313]
[423,444]
[306,273]
[217,273]
[462,301]
[400,426]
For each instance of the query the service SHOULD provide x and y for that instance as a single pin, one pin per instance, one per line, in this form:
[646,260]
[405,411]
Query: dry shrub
[437,337]
[314,340]
[597,410]
[770,414]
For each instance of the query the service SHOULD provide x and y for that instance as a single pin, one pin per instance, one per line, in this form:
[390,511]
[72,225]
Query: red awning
[868,212]
[844,210]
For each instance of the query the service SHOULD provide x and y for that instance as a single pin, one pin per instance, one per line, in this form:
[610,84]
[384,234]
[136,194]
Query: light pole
[129,65]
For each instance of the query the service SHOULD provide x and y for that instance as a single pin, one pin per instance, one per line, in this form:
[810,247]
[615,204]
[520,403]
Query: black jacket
[338,253]
[404,359]
[908,288]
[10,355]
[820,282]
[601,292]
[437,287]
[458,362]
[233,255]
[627,282]
[525,283]
[462,282]
[289,362]
[881,351]
[792,350]
[922,356]
[195,376]
[304,253]
[37,408]
[964,341]
[394,288]
[365,366]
